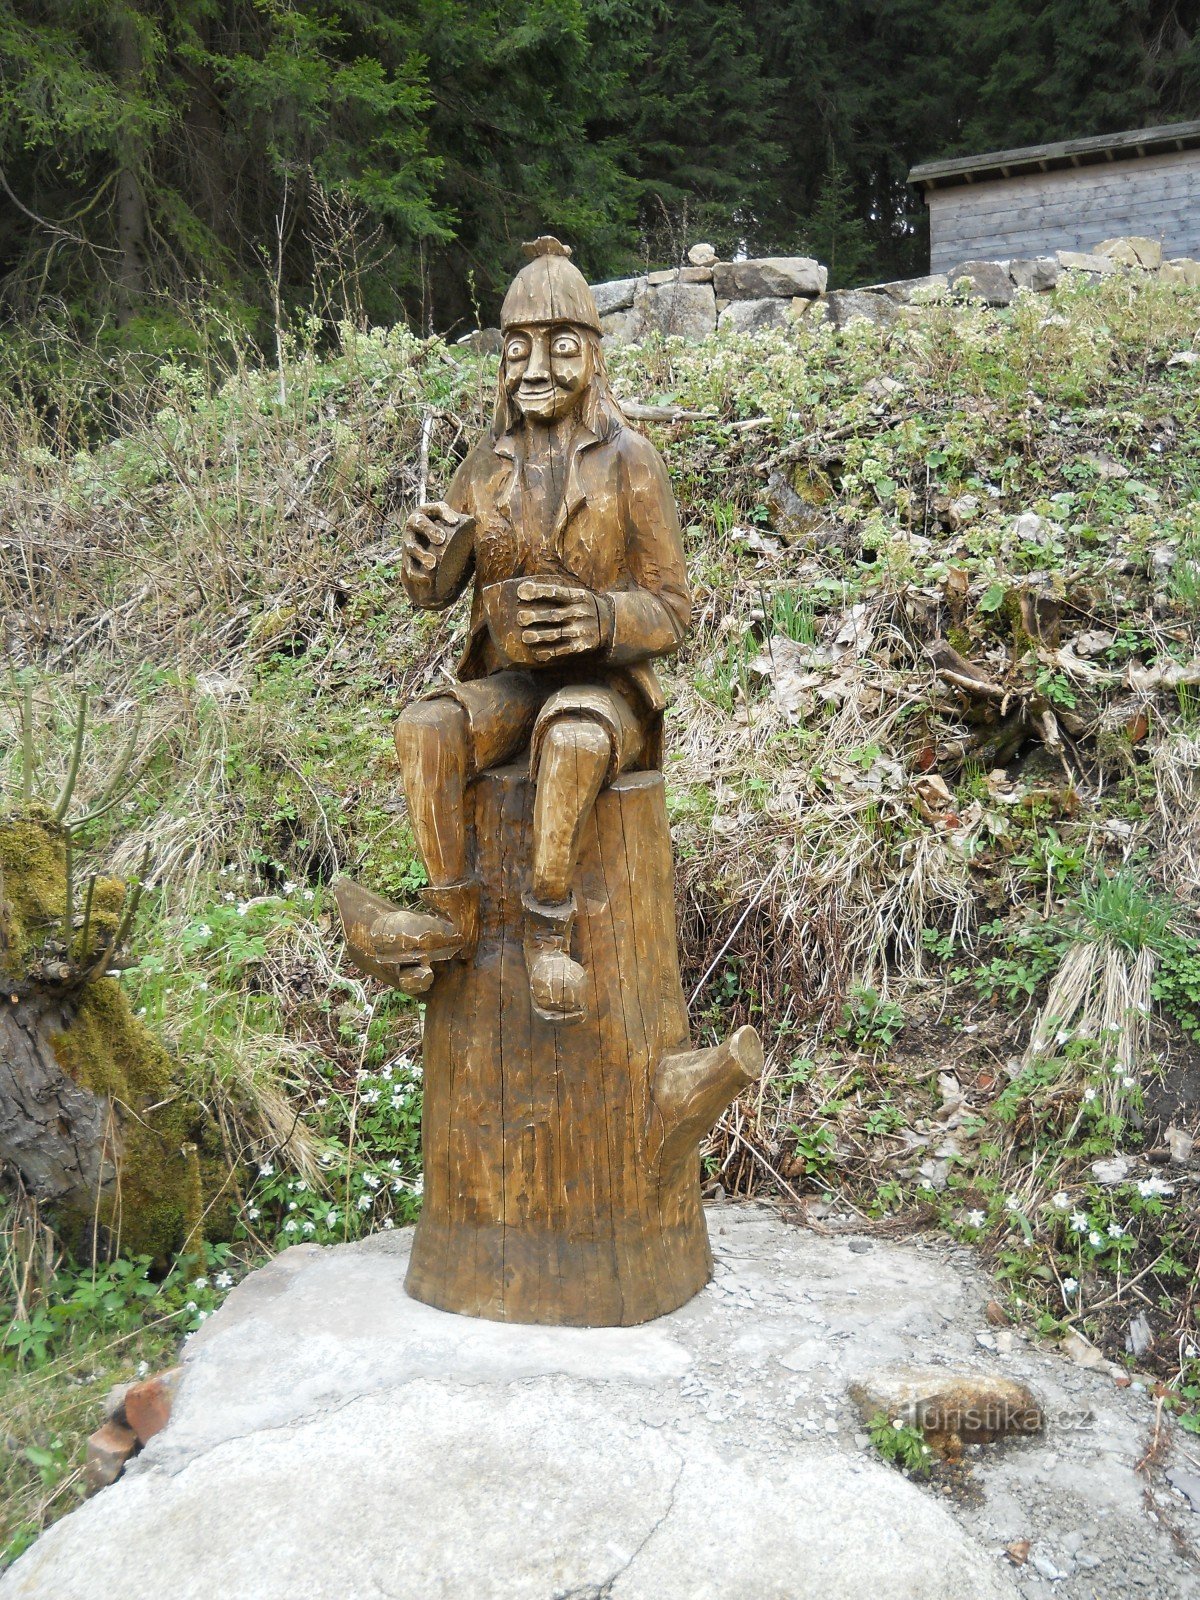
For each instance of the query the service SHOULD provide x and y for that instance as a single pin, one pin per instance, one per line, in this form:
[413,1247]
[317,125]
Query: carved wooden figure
[563,1104]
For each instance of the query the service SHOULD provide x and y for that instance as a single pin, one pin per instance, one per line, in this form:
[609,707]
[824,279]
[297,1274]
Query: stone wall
[706,296]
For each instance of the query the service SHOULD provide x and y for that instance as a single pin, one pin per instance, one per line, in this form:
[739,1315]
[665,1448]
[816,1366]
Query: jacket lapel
[574,494]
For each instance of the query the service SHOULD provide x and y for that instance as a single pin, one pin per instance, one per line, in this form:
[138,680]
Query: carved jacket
[616,532]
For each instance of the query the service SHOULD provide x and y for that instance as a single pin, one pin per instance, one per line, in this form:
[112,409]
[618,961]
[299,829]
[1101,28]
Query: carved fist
[425,532]
[558,619]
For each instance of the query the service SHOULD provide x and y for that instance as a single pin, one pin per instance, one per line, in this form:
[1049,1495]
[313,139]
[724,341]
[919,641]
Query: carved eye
[518,349]
[565,344]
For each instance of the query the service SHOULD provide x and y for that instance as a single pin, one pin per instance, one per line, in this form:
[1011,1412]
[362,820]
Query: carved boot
[557,984]
[399,946]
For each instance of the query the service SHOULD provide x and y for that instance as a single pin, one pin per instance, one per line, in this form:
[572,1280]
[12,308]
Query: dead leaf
[1018,1552]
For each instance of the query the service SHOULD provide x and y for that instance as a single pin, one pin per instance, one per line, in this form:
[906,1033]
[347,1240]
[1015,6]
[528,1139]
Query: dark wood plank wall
[1157,196]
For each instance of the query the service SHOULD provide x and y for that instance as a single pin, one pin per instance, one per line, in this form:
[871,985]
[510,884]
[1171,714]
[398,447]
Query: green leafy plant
[868,1020]
[901,1444]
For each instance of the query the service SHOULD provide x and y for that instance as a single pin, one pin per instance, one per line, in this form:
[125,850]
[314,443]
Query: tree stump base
[562,1175]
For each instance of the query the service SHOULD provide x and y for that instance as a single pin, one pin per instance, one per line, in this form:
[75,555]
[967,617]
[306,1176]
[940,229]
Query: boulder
[621,327]
[1038,273]
[846,304]
[905,290]
[484,341]
[1132,251]
[1181,270]
[968,1407]
[1080,261]
[702,255]
[681,310]
[783,276]
[616,295]
[748,316]
[333,1438]
[983,280]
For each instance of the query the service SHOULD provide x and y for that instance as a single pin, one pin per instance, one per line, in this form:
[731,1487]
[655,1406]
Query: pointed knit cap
[549,289]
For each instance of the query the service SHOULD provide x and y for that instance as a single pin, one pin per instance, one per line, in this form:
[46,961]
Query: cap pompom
[545,245]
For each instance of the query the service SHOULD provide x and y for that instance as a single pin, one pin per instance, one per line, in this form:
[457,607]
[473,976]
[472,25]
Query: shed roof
[1045,157]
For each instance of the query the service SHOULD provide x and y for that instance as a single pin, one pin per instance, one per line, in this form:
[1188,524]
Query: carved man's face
[547,368]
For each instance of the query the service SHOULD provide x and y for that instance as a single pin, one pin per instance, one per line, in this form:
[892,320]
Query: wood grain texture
[562,1180]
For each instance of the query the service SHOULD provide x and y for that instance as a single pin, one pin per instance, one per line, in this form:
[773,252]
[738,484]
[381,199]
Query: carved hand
[558,619]
[425,533]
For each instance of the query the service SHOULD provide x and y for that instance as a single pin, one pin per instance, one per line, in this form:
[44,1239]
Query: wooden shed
[1066,196]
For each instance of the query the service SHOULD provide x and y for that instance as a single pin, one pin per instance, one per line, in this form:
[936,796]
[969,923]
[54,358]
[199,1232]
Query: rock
[682,310]
[332,1438]
[784,276]
[621,327]
[484,341]
[702,255]
[985,280]
[1132,251]
[1078,261]
[904,291]
[1038,273]
[616,295]
[108,1449]
[846,304]
[748,316]
[148,1404]
[114,1402]
[679,275]
[1187,1483]
[1181,270]
[808,310]
[974,1407]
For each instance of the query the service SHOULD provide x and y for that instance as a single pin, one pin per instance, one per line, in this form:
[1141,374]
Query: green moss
[173,1163]
[107,1050]
[33,856]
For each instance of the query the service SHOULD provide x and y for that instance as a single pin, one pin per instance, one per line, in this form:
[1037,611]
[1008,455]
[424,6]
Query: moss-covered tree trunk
[93,1116]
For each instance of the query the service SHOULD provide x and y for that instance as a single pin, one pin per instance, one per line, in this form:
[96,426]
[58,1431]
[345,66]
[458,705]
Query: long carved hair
[598,410]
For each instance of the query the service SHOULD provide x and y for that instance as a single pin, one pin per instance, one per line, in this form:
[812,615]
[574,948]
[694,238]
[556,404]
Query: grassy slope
[227,570]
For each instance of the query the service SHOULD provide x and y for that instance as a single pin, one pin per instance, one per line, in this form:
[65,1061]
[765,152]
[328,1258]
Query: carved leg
[431,742]
[575,757]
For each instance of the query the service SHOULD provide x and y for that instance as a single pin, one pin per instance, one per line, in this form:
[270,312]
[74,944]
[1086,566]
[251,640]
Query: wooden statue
[563,1105]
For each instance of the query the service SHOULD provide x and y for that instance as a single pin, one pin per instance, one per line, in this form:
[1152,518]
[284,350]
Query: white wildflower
[1061,1201]
[253,1213]
[291,1225]
[1079,1221]
[1069,1287]
[976,1219]
[199,1283]
[266,1170]
[388,1223]
[1148,1187]
[364,1202]
[1115,1231]
[1095,1239]
[224,1280]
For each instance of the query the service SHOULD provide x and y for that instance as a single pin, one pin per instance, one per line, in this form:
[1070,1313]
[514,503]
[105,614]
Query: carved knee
[577,738]
[429,721]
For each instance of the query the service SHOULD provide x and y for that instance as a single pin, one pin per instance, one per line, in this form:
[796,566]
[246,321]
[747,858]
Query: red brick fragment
[148,1404]
[108,1449]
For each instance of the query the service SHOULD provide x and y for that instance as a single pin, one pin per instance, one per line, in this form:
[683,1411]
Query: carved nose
[537,368]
